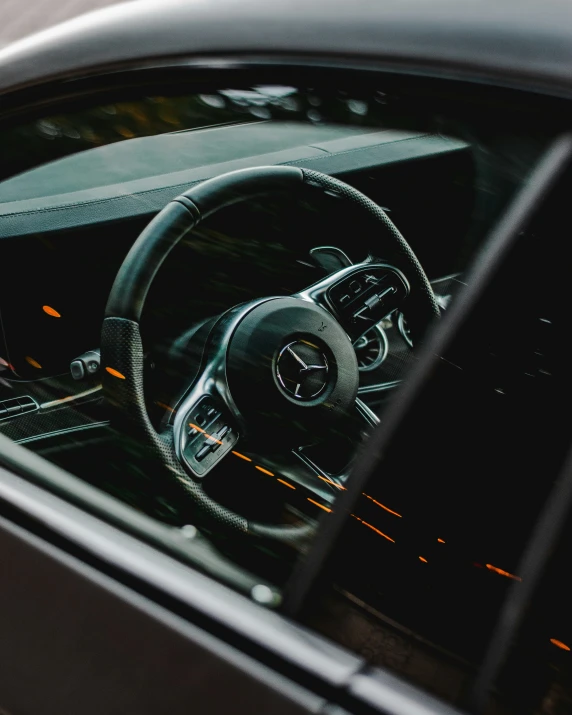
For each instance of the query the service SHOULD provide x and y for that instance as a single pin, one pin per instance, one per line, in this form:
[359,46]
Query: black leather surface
[145,258]
[213,195]
[177,218]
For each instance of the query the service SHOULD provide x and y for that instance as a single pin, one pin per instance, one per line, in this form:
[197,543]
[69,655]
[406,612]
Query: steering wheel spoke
[208,423]
[205,433]
[359,296]
[366,414]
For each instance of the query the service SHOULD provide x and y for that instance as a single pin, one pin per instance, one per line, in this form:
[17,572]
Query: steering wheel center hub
[302,370]
[290,360]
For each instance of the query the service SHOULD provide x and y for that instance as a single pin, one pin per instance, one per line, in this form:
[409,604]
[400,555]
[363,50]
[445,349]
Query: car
[284,359]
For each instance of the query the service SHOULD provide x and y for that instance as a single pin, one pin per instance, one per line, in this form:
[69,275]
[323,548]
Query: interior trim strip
[70,398]
[55,433]
[380,387]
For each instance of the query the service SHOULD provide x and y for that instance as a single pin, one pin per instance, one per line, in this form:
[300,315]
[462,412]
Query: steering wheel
[289,358]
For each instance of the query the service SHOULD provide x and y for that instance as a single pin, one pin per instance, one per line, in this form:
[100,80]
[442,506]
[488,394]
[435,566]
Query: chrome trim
[67,430]
[443,300]
[70,398]
[452,276]
[303,371]
[382,337]
[381,387]
[332,481]
[368,414]
[316,293]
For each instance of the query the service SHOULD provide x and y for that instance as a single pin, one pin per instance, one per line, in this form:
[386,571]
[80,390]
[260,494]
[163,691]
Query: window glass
[542,647]
[271,336]
[435,541]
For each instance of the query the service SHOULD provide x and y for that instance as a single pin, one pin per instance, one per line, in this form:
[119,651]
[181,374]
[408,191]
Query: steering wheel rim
[121,343]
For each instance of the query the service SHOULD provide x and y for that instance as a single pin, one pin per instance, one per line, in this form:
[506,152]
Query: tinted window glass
[435,541]
[238,415]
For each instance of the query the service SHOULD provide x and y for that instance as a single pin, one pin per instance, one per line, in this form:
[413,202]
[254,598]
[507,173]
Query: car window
[221,373]
[437,539]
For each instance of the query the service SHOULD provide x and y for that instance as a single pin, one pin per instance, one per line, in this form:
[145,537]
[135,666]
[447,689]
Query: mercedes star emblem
[302,370]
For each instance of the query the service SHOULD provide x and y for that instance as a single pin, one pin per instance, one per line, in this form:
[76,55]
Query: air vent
[17,406]
[371,349]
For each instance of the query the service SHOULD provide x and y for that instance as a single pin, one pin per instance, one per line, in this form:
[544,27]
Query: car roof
[518,43]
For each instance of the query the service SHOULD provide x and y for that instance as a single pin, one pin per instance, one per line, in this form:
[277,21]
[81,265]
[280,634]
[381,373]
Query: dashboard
[66,227]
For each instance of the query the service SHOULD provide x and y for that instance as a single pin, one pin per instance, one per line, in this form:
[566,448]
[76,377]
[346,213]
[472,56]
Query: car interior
[79,215]
[208,303]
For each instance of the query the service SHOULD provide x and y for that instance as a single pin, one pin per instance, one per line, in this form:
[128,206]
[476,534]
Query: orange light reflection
[441,541]
[502,573]
[317,503]
[194,426]
[241,456]
[51,311]
[287,484]
[264,471]
[329,481]
[559,644]
[377,531]
[115,373]
[422,559]
[382,505]
[32,362]
[164,406]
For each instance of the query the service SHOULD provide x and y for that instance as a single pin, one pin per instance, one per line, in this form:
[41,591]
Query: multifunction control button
[209,435]
[366,296]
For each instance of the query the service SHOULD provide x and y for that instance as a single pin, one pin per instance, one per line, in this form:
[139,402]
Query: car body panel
[520,44]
